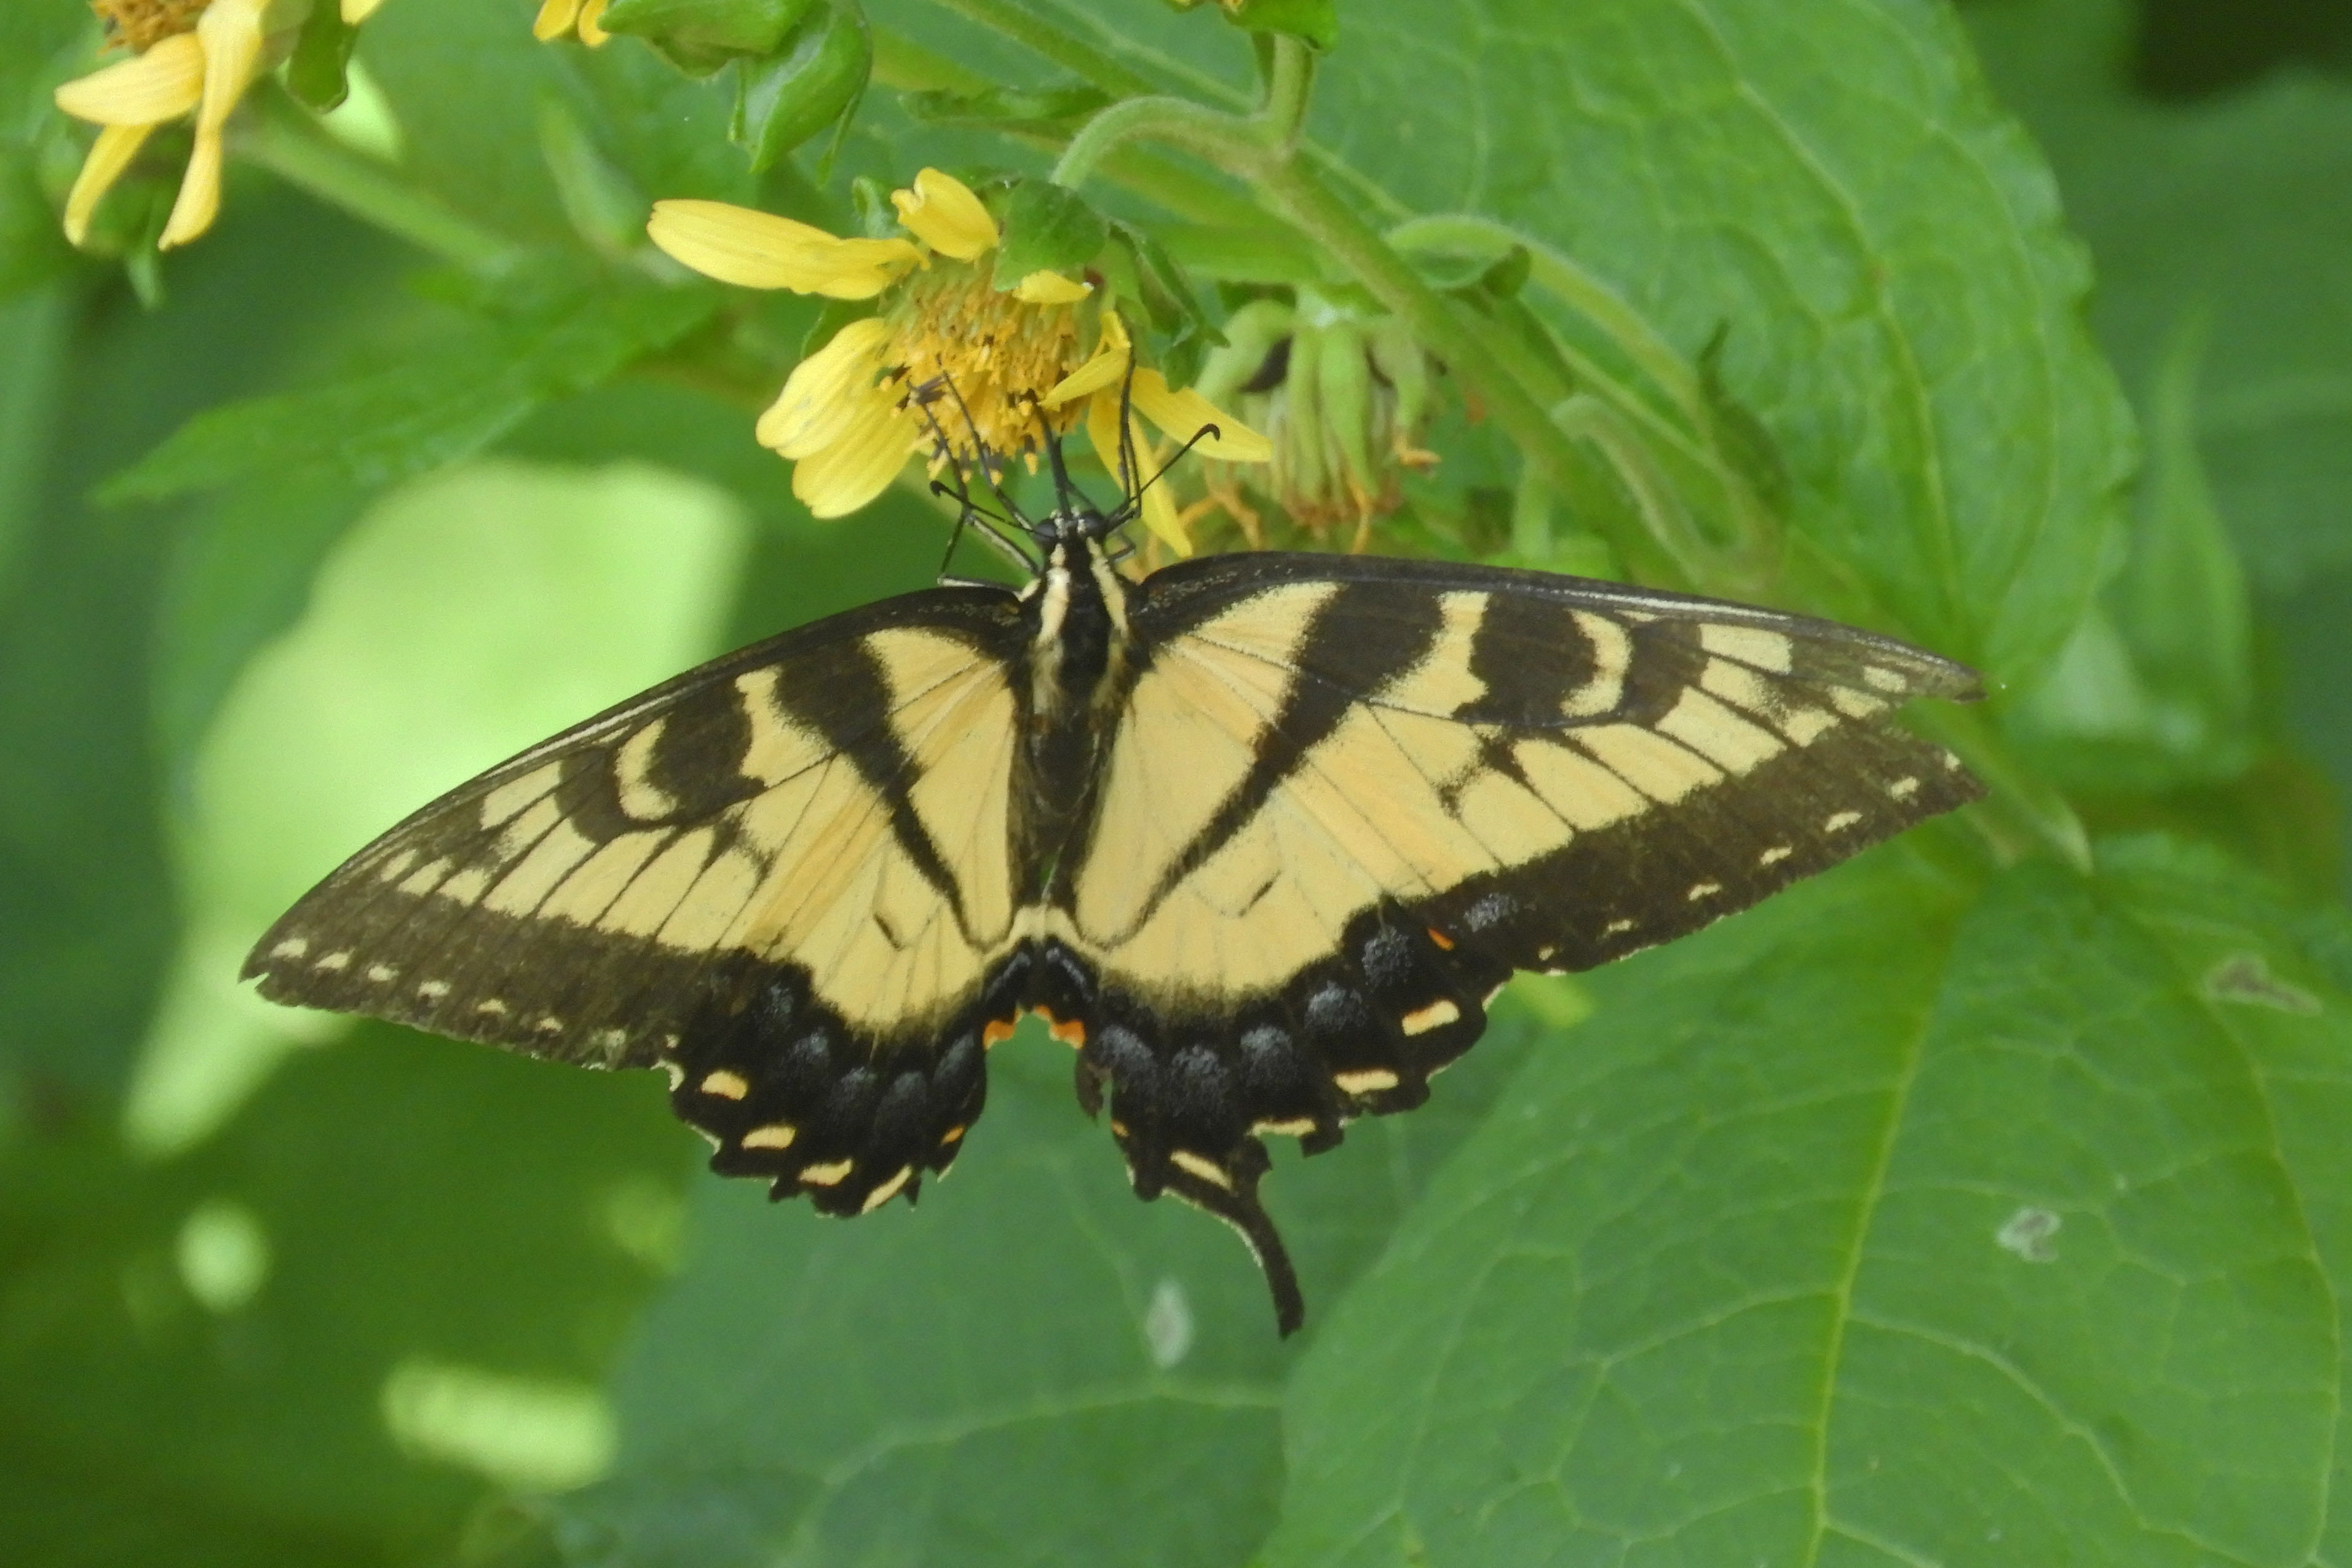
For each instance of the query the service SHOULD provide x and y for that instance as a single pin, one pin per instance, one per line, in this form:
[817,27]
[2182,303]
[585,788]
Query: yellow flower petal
[852,472]
[1160,514]
[1183,414]
[1102,433]
[108,156]
[591,14]
[1051,288]
[163,84]
[760,251]
[358,11]
[1103,368]
[231,33]
[942,213]
[827,391]
[1161,517]
[556,17]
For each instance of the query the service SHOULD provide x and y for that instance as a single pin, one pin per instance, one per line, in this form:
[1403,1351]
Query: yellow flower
[188,57]
[564,18]
[951,365]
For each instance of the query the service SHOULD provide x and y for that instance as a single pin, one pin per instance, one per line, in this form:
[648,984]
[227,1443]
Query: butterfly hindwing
[784,876]
[1346,799]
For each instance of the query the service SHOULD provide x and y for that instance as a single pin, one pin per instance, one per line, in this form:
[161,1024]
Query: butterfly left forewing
[783,877]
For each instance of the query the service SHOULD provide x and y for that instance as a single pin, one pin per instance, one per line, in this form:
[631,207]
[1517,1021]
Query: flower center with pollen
[979,360]
[142,24]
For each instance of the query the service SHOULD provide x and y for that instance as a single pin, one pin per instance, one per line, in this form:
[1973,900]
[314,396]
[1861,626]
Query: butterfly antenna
[1066,490]
[1134,504]
[1129,468]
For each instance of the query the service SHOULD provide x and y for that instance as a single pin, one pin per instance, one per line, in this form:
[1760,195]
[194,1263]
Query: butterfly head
[1075,519]
[1074,515]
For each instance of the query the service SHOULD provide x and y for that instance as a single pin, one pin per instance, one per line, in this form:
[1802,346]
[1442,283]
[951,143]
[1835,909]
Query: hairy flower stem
[1288,86]
[290,143]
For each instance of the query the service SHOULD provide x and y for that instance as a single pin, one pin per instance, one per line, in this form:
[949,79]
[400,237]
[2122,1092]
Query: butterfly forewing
[784,876]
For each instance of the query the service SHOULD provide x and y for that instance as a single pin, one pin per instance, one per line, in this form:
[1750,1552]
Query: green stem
[1287,91]
[1038,35]
[290,143]
[1178,121]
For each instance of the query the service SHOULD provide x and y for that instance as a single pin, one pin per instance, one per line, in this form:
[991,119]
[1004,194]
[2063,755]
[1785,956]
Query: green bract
[1046,229]
[810,85]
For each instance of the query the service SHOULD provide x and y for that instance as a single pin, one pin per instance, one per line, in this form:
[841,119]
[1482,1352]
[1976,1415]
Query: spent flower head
[952,363]
[187,58]
[1343,396]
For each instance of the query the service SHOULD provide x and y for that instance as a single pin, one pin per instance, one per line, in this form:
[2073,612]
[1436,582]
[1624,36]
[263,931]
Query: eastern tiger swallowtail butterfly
[1259,836]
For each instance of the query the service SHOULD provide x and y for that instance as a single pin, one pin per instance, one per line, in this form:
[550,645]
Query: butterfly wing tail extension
[1181,1113]
[1230,1193]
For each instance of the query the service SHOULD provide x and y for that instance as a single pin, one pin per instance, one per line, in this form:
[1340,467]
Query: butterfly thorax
[1078,657]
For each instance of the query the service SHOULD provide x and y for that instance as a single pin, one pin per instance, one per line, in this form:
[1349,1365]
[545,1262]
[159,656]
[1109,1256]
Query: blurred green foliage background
[277,1291]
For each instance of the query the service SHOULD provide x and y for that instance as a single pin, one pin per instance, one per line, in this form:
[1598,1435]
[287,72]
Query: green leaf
[605,207]
[2231,210]
[33,250]
[441,403]
[1048,228]
[1169,299]
[40,46]
[1850,1233]
[700,36]
[1317,21]
[1029,1366]
[2181,601]
[1834,183]
[206,1358]
[465,82]
[1738,434]
[33,338]
[812,83]
[295,468]
[466,616]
